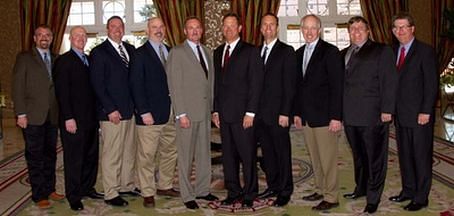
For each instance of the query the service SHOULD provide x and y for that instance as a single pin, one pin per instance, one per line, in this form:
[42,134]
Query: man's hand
[298,122]
[386,117]
[71,126]
[115,117]
[248,121]
[22,121]
[147,119]
[215,119]
[184,122]
[423,118]
[283,121]
[334,126]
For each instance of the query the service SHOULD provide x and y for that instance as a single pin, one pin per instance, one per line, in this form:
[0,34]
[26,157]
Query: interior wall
[422,10]
[10,46]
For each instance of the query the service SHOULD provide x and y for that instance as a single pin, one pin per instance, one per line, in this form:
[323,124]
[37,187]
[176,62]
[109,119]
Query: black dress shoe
[267,194]
[95,195]
[135,192]
[247,203]
[209,197]
[353,196]
[117,201]
[313,197]
[371,208]
[399,198]
[191,205]
[413,206]
[281,201]
[76,206]
[324,205]
[229,200]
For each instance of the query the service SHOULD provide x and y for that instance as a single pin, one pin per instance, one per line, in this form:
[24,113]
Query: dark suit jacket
[418,84]
[74,91]
[148,82]
[370,85]
[109,77]
[237,89]
[319,92]
[279,84]
[33,92]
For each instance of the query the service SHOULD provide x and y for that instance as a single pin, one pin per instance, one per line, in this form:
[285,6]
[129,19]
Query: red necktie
[226,57]
[401,61]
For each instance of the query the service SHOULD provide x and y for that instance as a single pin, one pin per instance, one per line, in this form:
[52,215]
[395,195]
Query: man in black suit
[272,122]
[416,96]
[78,124]
[369,101]
[155,121]
[318,109]
[36,108]
[109,67]
[238,82]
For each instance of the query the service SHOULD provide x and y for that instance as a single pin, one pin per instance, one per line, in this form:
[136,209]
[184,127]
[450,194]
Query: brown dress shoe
[148,202]
[324,205]
[56,197]
[170,192]
[313,197]
[43,204]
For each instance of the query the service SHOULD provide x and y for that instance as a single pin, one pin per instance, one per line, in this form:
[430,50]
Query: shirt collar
[270,45]
[407,45]
[114,44]
[192,44]
[313,44]
[42,51]
[233,44]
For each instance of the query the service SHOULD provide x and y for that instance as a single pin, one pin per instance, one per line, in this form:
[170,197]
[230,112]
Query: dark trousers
[370,157]
[238,146]
[277,157]
[81,162]
[40,153]
[415,149]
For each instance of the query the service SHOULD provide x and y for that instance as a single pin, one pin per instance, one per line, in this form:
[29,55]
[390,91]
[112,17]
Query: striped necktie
[124,59]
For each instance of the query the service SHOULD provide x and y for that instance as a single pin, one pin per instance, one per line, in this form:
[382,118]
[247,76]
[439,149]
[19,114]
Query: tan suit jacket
[33,92]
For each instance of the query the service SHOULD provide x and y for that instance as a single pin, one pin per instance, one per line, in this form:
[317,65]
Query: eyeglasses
[398,28]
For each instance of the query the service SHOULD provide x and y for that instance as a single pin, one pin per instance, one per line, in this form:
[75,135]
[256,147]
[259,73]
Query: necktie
[401,61]
[84,59]
[226,57]
[306,58]
[202,61]
[264,54]
[161,55]
[349,57]
[48,65]
[124,59]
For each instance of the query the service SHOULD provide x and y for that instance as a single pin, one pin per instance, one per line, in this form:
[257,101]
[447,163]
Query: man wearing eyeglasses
[416,96]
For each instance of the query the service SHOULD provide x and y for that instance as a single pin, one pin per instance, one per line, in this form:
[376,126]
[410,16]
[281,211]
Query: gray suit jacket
[33,92]
[190,90]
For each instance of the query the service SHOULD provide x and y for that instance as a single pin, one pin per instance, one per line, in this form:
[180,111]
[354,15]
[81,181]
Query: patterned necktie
[124,59]
[226,58]
[84,59]
[202,61]
[48,65]
[264,55]
[161,55]
[401,61]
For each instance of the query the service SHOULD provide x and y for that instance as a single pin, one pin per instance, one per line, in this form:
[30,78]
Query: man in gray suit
[36,110]
[190,77]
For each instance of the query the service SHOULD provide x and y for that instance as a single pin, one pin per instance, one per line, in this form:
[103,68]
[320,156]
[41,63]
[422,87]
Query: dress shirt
[407,48]
[194,50]
[268,51]
[232,47]
[81,56]
[156,45]
[116,45]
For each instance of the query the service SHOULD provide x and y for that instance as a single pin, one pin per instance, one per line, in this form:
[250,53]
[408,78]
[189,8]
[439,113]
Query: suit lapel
[189,52]
[274,51]
[113,51]
[152,54]
[39,59]
[314,57]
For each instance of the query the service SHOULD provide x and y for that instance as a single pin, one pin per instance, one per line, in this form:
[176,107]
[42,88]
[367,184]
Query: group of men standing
[155,106]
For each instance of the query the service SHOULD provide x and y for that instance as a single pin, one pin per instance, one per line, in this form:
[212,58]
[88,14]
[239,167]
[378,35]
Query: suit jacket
[33,92]
[109,77]
[190,89]
[279,84]
[319,92]
[418,84]
[370,85]
[75,94]
[237,89]
[148,82]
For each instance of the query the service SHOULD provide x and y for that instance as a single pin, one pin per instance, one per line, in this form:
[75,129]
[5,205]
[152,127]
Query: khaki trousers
[118,157]
[322,147]
[157,149]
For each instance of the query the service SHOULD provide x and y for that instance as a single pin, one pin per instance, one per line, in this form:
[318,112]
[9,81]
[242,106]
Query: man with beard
[35,106]
[155,122]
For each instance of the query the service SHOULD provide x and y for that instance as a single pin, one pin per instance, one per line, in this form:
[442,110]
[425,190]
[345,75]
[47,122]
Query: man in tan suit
[190,77]
[36,110]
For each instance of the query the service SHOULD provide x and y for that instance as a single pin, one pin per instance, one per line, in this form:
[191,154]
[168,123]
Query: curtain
[53,13]
[379,14]
[174,12]
[250,12]
[443,34]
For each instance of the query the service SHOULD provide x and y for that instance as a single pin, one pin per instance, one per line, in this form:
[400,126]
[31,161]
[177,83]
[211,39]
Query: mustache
[159,34]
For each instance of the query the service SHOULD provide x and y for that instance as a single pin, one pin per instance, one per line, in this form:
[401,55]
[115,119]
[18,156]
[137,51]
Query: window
[288,8]
[318,7]
[82,13]
[144,7]
[348,7]
[112,8]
